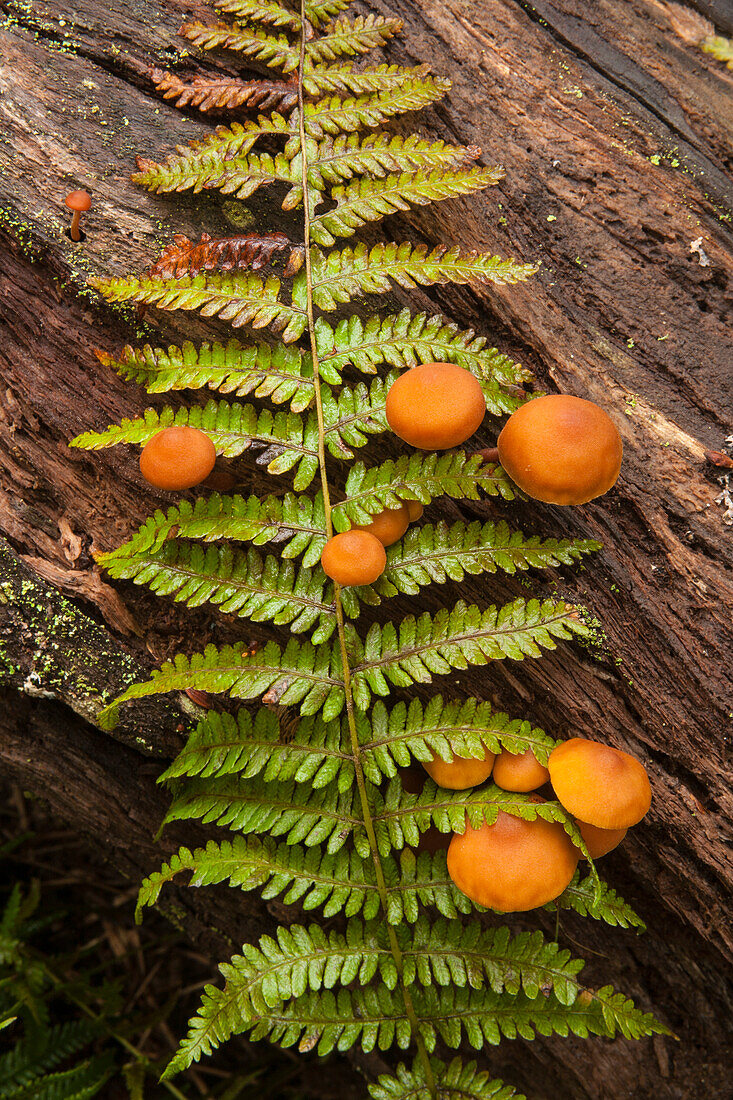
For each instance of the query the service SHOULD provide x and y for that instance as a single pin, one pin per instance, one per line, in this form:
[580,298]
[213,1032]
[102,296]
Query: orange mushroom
[520,772]
[177,457]
[599,842]
[353,558]
[561,449]
[512,865]
[435,406]
[78,201]
[459,774]
[414,510]
[598,784]
[388,526]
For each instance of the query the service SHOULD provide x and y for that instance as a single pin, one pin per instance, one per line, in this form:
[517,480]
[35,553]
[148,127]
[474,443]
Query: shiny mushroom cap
[435,406]
[353,558]
[459,774]
[78,200]
[178,457]
[561,449]
[512,865]
[388,526]
[599,784]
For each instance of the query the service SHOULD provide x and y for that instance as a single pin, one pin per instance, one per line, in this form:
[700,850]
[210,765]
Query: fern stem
[346,668]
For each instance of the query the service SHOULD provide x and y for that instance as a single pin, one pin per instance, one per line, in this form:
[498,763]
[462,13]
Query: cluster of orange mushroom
[513,865]
[556,448]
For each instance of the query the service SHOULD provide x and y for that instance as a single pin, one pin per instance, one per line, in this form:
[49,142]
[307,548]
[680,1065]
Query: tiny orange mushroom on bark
[78,202]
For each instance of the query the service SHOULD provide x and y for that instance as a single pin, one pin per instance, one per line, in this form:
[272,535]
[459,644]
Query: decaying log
[616,136]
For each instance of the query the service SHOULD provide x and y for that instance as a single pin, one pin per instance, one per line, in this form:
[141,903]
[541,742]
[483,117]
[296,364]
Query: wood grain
[616,138]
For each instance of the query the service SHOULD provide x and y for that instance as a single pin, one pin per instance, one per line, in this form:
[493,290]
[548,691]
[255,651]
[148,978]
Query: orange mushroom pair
[357,556]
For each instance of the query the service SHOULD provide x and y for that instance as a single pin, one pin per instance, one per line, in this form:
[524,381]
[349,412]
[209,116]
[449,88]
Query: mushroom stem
[74,230]
[489,454]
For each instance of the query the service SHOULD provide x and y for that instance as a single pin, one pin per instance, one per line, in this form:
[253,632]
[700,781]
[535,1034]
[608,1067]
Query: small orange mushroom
[353,558]
[79,202]
[561,449]
[177,457]
[598,784]
[599,842]
[520,772]
[435,406]
[388,526]
[414,510]
[512,865]
[459,774]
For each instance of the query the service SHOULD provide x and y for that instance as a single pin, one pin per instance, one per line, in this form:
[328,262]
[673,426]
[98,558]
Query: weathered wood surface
[617,139]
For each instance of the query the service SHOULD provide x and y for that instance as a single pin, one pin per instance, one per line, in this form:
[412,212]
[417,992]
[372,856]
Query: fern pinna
[309,781]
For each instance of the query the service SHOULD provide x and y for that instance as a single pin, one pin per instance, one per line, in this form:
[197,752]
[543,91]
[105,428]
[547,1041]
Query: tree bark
[616,135]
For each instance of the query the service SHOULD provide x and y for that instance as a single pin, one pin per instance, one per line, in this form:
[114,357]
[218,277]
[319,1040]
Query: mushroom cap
[520,772]
[512,865]
[599,784]
[177,457]
[459,774]
[78,200]
[561,449]
[435,406]
[599,842]
[414,510]
[353,558]
[388,526]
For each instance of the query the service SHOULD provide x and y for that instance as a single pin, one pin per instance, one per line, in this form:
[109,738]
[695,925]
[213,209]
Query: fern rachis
[308,784]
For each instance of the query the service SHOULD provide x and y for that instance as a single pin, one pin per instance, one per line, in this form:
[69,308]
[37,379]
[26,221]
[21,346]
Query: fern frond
[301,673]
[349,155]
[419,476]
[79,1082]
[345,115]
[404,339]
[296,523]
[193,165]
[392,738]
[368,200]
[457,638]
[31,1058]
[270,12]
[317,753]
[596,899]
[342,78]
[322,11]
[311,675]
[281,373]
[349,38]
[341,881]
[339,276]
[186,257]
[275,51]
[720,48]
[456,1081]
[239,299]
[245,584]
[376,1018]
[302,959]
[430,554]
[328,816]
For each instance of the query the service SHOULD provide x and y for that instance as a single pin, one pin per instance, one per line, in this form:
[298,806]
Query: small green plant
[309,781]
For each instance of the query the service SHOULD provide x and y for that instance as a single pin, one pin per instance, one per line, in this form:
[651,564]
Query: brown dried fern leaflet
[187,257]
[226,93]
